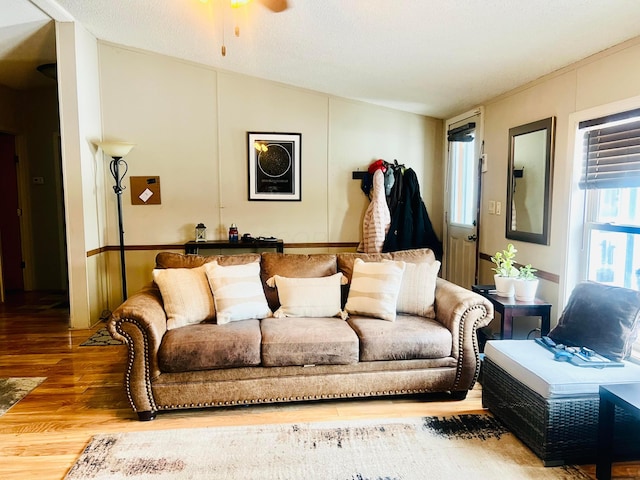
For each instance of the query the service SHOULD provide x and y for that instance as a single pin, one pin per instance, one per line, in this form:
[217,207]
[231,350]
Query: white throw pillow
[308,297]
[418,289]
[186,295]
[237,292]
[374,289]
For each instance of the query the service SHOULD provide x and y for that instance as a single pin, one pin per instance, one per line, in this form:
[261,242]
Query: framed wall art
[274,166]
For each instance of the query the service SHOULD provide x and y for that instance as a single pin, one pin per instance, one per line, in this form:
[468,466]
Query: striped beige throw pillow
[237,292]
[374,289]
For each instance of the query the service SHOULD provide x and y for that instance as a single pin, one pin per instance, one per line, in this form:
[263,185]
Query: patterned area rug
[466,446]
[101,338]
[12,390]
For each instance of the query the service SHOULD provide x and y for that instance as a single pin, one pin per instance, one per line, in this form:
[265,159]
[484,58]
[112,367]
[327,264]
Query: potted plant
[505,271]
[526,285]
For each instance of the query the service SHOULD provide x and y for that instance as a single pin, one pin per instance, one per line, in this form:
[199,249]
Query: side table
[625,396]
[509,307]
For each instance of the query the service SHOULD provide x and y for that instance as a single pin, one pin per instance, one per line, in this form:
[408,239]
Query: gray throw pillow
[601,317]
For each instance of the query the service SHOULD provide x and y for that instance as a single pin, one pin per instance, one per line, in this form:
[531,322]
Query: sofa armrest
[462,312]
[140,322]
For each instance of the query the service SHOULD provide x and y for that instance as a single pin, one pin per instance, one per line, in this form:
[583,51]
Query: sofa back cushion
[294,266]
[417,255]
[179,260]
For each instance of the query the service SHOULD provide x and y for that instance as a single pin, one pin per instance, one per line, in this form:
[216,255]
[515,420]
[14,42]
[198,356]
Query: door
[10,239]
[463,186]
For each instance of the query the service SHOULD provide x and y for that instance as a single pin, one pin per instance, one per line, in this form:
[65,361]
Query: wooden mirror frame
[542,162]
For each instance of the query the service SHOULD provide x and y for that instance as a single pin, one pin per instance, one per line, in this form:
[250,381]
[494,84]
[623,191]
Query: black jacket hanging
[410,223]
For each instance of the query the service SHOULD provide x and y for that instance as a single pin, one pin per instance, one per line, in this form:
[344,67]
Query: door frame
[476,112]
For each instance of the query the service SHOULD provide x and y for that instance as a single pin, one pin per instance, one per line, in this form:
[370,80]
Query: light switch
[492,207]
[498,208]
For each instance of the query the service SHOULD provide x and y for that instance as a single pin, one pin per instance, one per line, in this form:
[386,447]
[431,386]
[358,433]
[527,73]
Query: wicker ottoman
[553,406]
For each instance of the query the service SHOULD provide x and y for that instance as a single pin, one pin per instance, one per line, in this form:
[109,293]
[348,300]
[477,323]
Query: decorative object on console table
[118,150]
[526,284]
[233,233]
[201,232]
[274,166]
[508,307]
[194,248]
[505,270]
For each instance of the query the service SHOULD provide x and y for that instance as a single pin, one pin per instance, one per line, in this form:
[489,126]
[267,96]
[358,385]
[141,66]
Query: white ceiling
[432,57]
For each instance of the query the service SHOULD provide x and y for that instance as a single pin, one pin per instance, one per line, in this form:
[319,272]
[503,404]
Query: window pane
[614,258]
[463,182]
[618,206]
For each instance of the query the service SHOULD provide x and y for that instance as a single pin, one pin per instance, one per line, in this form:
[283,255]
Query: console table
[509,307]
[625,396]
[194,247]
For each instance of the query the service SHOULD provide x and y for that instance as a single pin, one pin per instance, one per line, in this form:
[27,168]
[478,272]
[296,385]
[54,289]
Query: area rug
[101,338]
[465,446]
[12,390]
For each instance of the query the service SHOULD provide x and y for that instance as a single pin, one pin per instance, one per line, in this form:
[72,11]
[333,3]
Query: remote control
[548,342]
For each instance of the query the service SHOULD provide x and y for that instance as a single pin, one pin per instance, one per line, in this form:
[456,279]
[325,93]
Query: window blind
[461,134]
[612,157]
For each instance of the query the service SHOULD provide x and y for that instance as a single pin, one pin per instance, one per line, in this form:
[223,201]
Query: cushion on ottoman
[534,366]
[408,338]
[602,317]
[209,346]
[308,341]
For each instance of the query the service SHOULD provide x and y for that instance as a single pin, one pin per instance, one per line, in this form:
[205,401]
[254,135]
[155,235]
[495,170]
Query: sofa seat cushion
[308,341]
[207,346]
[409,337]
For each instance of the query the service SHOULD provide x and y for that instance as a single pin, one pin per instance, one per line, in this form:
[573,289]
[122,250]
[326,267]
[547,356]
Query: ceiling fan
[276,6]
[273,5]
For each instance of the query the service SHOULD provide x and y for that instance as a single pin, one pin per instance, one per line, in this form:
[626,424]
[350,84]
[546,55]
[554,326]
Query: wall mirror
[529,181]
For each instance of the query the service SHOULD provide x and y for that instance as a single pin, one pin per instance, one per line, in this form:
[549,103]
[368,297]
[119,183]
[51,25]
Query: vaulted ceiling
[432,57]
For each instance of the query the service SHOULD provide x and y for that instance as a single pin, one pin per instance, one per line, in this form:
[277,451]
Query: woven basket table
[558,430]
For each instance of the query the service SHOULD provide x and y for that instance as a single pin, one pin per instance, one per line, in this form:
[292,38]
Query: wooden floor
[43,434]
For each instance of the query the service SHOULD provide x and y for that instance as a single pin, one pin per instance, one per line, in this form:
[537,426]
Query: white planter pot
[504,286]
[525,290]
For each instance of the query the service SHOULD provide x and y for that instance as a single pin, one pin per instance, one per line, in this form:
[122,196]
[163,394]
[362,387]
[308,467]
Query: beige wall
[190,123]
[611,76]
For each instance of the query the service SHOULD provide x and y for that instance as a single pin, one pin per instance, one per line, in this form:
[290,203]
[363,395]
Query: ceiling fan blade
[275,5]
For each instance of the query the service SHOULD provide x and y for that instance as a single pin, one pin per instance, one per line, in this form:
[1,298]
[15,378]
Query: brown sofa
[290,358]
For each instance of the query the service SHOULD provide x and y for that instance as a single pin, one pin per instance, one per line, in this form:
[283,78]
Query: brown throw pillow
[601,317]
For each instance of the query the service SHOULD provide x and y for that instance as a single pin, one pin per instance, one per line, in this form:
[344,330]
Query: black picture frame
[274,161]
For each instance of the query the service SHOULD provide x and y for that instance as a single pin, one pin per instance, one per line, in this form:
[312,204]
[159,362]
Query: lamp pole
[118,168]
[118,188]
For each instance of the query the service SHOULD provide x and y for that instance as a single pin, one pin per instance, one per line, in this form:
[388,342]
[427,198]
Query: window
[463,172]
[611,180]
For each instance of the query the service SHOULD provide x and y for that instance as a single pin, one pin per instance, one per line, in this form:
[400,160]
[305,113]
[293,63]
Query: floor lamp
[117,151]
